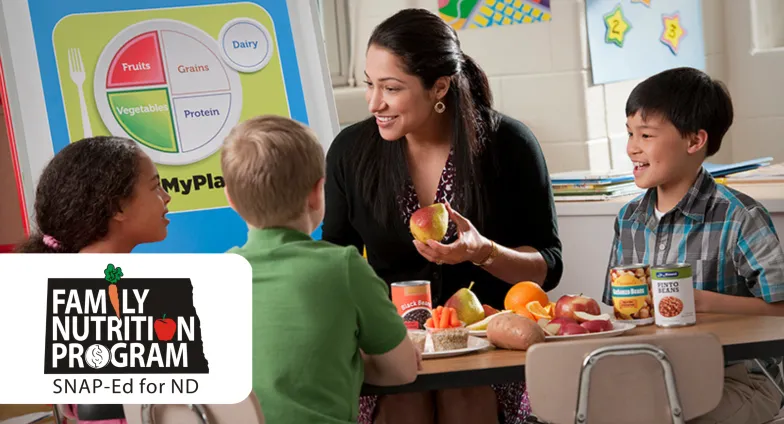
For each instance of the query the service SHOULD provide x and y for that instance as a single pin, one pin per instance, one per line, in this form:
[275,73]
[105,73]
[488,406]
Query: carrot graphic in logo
[113,275]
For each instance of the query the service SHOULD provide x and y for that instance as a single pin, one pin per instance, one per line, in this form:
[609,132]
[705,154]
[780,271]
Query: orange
[525,313]
[523,293]
[538,311]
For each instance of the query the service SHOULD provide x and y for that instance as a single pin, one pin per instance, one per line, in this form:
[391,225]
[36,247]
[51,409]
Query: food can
[413,302]
[673,295]
[631,294]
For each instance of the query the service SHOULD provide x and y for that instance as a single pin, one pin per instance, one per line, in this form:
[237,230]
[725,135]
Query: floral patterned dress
[512,398]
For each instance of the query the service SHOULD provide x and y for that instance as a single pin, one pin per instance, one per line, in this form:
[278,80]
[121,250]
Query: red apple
[597,326]
[429,223]
[553,327]
[489,310]
[594,323]
[165,328]
[563,321]
[567,305]
[570,329]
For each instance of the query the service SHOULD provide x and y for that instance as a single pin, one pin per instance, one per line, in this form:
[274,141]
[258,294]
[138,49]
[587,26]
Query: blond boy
[318,309]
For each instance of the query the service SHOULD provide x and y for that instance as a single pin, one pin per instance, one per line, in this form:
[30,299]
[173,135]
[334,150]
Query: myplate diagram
[164,84]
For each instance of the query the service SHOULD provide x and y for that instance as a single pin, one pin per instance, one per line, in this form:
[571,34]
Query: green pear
[469,309]
[429,223]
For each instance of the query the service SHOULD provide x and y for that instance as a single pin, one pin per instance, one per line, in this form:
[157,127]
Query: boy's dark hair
[688,98]
[79,192]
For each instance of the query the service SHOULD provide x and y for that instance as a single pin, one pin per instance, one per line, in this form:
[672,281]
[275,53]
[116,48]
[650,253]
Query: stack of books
[770,174]
[580,186]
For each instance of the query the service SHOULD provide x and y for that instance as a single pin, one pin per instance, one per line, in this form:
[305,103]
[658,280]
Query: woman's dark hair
[428,48]
[79,192]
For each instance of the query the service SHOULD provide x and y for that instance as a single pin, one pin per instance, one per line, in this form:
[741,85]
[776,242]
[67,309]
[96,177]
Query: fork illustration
[76,66]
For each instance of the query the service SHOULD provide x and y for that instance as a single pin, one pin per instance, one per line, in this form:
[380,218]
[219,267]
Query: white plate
[474,344]
[618,329]
[478,333]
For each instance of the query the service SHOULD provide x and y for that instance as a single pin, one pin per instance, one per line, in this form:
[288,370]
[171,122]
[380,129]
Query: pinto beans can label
[631,294]
[673,295]
[413,302]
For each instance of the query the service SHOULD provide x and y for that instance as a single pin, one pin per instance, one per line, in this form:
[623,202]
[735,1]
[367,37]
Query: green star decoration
[617,26]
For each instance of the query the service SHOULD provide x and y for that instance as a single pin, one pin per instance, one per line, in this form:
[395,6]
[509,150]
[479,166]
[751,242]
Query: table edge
[516,373]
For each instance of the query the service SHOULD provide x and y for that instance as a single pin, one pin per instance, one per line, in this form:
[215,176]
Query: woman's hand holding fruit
[469,246]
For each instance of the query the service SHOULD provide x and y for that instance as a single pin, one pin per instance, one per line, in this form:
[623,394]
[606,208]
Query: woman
[434,137]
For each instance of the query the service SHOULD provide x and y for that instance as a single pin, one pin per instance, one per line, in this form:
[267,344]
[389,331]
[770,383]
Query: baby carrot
[444,322]
[429,323]
[453,321]
[436,317]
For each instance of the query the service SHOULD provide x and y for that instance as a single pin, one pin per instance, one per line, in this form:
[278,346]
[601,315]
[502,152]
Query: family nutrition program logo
[113,326]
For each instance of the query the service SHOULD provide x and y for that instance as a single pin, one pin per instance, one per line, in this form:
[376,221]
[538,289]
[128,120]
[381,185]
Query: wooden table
[743,337]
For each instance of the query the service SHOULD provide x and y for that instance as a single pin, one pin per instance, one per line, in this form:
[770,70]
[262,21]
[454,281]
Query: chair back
[63,413]
[631,379]
[247,412]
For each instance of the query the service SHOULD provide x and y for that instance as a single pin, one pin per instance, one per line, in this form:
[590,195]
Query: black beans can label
[413,302]
[673,295]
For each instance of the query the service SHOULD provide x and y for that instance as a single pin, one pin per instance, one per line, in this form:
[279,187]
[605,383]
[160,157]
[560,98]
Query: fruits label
[673,295]
[631,294]
[413,302]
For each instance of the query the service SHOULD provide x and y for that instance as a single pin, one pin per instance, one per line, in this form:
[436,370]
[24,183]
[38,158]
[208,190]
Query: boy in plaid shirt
[676,119]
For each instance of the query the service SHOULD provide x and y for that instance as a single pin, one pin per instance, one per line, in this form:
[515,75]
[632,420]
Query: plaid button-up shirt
[726,236]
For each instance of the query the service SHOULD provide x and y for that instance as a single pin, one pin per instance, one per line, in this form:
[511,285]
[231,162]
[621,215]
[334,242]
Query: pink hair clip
[51,241]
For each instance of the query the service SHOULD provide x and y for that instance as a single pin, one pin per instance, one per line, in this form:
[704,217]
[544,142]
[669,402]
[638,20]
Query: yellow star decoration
[673,32]
[645,2]
[617,26]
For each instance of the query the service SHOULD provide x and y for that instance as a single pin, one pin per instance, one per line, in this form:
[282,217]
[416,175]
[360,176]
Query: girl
[98,195]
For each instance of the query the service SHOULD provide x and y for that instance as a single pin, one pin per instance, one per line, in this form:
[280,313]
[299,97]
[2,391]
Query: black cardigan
[522,213]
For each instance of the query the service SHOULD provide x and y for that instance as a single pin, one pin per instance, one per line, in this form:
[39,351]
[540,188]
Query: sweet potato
[512,331]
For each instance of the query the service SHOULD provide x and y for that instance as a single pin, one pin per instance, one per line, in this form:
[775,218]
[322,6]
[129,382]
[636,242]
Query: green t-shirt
[315,305]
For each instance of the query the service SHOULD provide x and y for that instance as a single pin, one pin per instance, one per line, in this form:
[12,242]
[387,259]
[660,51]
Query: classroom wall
[755,58]
[540,74]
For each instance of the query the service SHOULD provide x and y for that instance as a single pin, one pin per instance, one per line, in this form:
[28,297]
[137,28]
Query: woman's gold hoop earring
[440,107]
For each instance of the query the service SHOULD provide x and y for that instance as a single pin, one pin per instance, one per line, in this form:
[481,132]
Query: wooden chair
[630,380]
[247,412]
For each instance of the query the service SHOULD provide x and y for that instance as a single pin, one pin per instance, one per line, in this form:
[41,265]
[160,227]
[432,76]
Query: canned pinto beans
[631,294]
[413,302]
[673,295]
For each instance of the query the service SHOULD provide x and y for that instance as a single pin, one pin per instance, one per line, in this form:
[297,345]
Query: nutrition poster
[174,76]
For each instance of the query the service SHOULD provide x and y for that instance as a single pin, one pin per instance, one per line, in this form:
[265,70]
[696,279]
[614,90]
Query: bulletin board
[173,75]
[633,39]
[473,14]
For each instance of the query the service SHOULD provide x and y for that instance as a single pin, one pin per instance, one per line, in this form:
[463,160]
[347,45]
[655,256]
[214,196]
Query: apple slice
[570,329]
[552,329]
[597,325]
[563,321]
[584,316]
